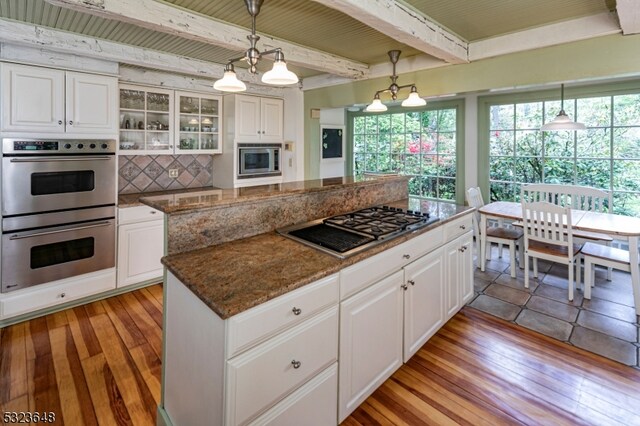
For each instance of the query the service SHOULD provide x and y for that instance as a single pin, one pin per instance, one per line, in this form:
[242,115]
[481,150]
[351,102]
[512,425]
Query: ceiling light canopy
[279,75]
[414,99]
[562,120]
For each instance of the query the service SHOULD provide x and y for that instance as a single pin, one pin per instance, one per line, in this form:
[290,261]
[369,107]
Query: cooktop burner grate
[332,238]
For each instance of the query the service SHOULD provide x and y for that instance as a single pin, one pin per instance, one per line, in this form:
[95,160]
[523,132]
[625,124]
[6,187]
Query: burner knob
[410,212]
[426,215]
[80,146]
[92,146]
[385,207]
[67,145]
[104,146]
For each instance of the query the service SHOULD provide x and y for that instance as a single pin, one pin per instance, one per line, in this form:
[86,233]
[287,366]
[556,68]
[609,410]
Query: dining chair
[547,237]
[610,257]
[578,198]
[494,234]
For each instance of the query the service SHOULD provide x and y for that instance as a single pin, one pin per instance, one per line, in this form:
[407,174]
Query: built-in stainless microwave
[259,160]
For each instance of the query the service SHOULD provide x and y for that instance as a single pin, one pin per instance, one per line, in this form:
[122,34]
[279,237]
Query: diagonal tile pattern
[606,324]
[148,173]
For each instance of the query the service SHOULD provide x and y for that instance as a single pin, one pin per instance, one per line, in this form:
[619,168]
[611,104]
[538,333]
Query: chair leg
[588,277]
[609,269]
[570,283]
[535,267]
[578,272]
[526,271]
[488,250]
[521,253]
[512,254]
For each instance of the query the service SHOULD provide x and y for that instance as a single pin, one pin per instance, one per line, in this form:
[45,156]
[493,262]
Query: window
[605,156]
[420,144]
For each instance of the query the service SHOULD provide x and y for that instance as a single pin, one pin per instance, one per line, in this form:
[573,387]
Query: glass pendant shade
[562,120]
[376,106]
[279,75]
[414,100]
[229,83]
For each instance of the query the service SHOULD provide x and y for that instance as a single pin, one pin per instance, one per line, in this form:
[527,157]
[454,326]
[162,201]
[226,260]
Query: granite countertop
[182,202]
[238,275]
[133,200]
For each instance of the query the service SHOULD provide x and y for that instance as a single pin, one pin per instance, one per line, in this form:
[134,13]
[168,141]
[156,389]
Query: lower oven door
[32,184]
[48,254]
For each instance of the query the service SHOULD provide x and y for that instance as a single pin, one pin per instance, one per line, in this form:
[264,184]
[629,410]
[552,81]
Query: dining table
[617,226]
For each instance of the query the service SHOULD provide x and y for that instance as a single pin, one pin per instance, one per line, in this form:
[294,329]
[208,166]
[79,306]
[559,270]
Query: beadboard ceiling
[311,24]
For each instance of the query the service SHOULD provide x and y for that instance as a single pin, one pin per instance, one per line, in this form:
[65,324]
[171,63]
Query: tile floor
[606,324]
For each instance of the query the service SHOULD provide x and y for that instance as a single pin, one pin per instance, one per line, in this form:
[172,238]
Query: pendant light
[414,99]
[562,120]
[278,75]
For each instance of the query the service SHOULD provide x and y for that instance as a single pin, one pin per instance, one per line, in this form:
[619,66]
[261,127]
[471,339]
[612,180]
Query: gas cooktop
[348,234]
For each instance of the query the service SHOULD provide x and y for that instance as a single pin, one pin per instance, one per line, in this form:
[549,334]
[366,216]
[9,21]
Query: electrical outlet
[290,162]
[173,173]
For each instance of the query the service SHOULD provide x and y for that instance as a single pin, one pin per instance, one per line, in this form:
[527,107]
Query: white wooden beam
[405,25]
[629,16]
[549,35]
[165,18]
[61,41]
[48,58]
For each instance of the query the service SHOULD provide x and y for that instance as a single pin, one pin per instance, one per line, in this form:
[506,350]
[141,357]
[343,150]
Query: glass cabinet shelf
[145,120]
[198,123]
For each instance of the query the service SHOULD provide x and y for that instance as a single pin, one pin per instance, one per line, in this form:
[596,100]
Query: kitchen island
[255,326]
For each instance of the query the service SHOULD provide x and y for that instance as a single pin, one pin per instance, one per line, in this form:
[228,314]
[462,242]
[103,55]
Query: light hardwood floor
[100,364]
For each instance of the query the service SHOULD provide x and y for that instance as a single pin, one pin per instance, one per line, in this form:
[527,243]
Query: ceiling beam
[168,19]
[405,25]
[61,41]
[629,16]
[549,35]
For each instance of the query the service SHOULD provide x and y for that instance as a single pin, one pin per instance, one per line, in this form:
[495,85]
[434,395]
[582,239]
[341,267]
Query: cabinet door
[248,118]
[140,247]
[32,99]
[91,103]
[466,268]
[370,341]
[423,312]
[452,253]
[271,113]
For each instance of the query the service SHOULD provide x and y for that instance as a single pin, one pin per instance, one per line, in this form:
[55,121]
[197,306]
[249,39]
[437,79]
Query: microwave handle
[20,237]
[56,159]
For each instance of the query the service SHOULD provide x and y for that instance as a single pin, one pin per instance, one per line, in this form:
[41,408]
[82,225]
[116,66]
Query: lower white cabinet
[140,245]
[459,273]
[370,341]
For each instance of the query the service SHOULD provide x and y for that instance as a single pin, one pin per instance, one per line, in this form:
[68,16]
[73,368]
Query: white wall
[293,160]
[332,167]
[471,141]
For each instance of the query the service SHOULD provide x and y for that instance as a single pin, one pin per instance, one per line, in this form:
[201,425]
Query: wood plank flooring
[101,364]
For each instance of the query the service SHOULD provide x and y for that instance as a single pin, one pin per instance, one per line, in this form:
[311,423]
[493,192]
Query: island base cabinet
[459,273]
[423,303]
[370,341]
[315,402]
[140,248]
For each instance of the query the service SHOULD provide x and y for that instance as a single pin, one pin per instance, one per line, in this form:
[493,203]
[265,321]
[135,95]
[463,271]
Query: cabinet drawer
[314,404]
[258,324]
[363,274]
[45,295]
[138,214]
[261,377]
[457,227]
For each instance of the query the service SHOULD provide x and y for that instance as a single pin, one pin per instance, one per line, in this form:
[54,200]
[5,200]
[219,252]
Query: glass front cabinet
[197,123]
[157,121]
[145,121]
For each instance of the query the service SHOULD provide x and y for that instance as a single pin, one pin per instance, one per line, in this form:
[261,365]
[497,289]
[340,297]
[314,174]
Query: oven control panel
[45,147]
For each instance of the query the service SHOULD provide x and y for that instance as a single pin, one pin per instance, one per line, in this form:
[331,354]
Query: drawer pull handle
[62,295]
[296,311]
[463,227]
[412,282]
[406,256]
[296,364]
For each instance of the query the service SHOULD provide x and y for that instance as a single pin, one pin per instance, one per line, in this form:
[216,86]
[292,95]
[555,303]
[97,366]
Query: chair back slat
[547,223]
[576,197]
[474,198]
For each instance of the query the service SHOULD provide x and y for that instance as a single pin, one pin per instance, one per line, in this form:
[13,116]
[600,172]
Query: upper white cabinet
[197,123]
[44,100]
[259,119]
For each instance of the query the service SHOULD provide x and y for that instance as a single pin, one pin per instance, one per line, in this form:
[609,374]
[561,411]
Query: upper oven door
[47,183]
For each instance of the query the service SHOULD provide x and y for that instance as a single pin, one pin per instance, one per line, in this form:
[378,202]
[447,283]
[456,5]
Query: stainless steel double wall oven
[58,209]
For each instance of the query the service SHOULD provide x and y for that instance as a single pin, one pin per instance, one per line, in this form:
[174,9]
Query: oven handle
[56,159]
[20,237]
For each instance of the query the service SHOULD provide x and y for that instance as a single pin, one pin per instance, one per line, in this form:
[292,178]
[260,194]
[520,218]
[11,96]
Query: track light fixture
[279,75]
[414,99]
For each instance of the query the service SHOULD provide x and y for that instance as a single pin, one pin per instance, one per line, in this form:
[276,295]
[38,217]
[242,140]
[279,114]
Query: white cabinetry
[258,119]
[44,100]
[140,245]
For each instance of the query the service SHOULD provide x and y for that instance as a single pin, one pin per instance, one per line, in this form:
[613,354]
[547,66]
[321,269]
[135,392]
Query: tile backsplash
[149,173]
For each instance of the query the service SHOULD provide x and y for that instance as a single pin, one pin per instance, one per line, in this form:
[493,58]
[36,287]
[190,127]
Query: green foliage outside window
[605,156]
[418,144]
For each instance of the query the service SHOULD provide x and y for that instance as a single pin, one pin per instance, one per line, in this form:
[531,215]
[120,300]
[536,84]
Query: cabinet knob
[404,287]
[296,311]
[406,256]
[296,364]
[70,122]
[62,295]
[258,131]
[463,227]
[263,132]
[60,122]
[152,212]
[462,249]
[412,282]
